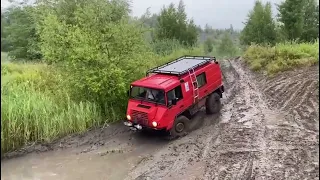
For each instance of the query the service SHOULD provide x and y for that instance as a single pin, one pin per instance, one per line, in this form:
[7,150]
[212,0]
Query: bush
[281,57]
[165,47]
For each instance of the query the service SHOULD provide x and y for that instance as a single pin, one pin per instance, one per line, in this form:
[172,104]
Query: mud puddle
[99,158]
[68,165]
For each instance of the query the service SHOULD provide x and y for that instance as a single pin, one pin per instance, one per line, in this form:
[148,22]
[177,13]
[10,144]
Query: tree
[207,28]
[231,30]
[260,27]
[227,47]
[208,45]
[173,24]
[4,42]
[311,21]
[291,16]
[101,50]
[300,19]
[19,33]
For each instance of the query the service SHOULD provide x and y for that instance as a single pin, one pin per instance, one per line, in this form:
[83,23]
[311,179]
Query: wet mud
[268,128]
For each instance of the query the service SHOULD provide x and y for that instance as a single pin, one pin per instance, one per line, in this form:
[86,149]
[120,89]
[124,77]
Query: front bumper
[137,126]
[132,125]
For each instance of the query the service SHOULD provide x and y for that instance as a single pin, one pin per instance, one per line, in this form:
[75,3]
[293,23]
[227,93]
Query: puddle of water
[68,165]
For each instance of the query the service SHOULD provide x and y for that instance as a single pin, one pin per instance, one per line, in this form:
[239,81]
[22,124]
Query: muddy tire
[213,104]
[180,128]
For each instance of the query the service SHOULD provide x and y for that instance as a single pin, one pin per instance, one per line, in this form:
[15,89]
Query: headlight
[154,124]
[128,117]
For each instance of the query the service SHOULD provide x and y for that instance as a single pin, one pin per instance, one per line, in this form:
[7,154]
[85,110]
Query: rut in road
[297,93]
[249,140]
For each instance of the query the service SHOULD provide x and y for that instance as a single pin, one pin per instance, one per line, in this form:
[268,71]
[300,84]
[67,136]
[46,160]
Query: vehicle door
[175,102]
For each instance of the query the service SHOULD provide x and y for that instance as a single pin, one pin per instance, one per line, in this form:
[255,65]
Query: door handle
[181,106]
[205,91]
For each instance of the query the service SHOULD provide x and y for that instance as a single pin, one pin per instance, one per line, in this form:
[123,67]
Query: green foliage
[291,15]
[300,19]
[217,39]
[166,46]
[282,57]
[18,35]
[311,21]
[260,27]
[208,46]
[101,51]
[173,24]
[4,43]
[227,47]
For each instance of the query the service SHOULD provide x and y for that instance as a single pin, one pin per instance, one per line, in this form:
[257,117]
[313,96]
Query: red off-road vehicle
[169,95]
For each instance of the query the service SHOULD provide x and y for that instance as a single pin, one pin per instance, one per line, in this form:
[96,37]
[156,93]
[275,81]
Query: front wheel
[213,104]
[180,127]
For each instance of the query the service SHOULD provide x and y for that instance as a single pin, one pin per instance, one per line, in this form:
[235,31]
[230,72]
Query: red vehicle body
[168,97]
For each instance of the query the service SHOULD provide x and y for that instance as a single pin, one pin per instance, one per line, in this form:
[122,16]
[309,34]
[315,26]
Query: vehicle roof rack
[181,65]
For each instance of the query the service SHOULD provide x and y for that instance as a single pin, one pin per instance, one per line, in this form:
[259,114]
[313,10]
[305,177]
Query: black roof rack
[181,65]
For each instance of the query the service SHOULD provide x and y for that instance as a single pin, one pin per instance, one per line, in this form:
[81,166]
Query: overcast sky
[217,13]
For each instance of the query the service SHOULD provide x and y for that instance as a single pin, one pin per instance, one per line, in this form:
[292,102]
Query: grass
[32,113]
[282,57]
[36,103]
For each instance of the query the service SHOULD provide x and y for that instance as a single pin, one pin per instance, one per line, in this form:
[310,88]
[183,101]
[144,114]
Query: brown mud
[268,128]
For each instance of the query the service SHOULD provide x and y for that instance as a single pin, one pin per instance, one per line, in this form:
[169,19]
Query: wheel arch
[220,91]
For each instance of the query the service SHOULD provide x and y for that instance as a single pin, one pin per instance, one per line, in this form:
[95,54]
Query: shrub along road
[267,129]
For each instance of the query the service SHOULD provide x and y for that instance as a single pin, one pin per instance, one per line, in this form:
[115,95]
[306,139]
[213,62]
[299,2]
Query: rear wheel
[180,127]
[213,104]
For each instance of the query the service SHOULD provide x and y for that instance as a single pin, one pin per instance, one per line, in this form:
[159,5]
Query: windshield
[148,94]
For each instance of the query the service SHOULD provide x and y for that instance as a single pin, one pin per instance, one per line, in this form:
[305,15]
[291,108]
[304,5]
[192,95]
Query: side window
[202,80]
[175,93]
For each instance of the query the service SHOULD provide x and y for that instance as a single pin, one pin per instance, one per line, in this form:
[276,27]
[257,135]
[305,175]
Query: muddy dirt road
[267,129]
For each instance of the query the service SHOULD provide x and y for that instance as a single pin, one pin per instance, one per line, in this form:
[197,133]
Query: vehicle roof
[157,81]
[181,65]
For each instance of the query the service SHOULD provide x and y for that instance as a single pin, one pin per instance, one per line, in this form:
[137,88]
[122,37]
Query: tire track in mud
[248,140]
[241,153]
[297,93]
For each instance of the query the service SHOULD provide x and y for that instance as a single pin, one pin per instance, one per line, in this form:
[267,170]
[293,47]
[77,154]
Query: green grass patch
[282,56]
[34,108]
[28,115]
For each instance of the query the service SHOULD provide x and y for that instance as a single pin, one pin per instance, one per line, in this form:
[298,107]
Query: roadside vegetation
[282,56]
[289,41]
[66,65]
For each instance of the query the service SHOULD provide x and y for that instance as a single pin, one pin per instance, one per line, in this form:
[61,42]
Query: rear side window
[202,80]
